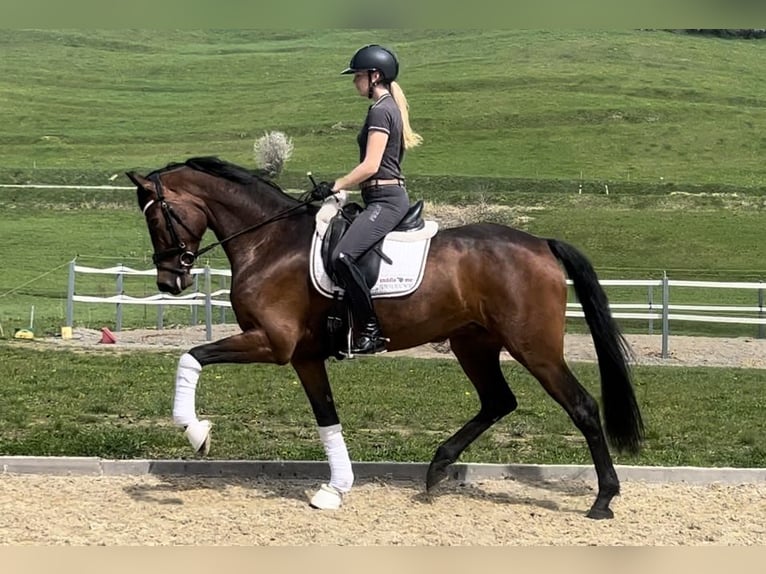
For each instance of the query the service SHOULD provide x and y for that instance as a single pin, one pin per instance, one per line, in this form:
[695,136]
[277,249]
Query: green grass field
[118,406]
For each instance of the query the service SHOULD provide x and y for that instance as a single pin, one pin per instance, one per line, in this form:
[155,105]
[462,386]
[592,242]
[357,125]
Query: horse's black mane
[215,166]
[227,170]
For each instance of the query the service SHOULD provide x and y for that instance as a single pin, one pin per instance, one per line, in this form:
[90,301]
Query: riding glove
[322,190]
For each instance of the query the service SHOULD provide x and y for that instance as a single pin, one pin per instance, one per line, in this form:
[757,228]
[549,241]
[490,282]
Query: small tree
[271,151]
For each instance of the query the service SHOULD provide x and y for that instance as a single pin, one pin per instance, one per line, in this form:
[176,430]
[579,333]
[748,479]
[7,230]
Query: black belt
[380,182]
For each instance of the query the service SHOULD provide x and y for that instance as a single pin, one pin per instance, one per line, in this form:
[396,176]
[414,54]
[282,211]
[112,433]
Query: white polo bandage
[187,376]
[341,473]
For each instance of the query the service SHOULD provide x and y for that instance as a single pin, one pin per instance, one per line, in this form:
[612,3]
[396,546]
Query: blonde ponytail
[411,139]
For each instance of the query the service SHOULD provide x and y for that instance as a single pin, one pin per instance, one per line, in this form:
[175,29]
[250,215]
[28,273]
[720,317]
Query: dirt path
[684,351]
[152,510]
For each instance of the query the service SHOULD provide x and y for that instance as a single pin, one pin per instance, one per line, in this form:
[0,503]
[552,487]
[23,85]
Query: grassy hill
[643,111]
[670,124]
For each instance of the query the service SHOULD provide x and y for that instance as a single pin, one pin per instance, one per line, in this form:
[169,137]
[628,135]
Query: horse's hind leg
[479,356]
[582,408]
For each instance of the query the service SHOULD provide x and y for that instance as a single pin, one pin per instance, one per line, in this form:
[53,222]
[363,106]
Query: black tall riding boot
[370,340]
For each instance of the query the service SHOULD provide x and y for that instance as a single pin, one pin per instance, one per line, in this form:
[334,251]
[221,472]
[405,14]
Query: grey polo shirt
[384,116]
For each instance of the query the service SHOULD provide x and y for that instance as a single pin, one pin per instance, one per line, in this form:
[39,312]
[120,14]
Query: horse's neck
[230,214]
[230,207]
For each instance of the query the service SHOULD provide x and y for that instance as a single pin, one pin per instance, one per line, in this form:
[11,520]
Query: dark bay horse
[486,287]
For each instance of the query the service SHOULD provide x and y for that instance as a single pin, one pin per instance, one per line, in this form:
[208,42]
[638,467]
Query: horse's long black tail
[623,423]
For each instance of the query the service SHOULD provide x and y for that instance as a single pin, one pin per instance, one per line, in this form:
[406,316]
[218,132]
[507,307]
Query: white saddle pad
[408,251]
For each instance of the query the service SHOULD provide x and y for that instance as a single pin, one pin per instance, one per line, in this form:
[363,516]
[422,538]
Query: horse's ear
[137,179]
[145,188]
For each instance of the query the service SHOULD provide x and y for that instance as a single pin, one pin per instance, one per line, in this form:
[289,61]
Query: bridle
[186,256]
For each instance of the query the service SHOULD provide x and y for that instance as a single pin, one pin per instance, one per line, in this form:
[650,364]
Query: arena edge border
[319,470]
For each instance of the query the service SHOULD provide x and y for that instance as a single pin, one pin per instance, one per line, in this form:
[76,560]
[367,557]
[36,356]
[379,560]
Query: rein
[187,258]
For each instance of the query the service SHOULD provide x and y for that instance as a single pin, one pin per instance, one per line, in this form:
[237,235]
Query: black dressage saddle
[369,263]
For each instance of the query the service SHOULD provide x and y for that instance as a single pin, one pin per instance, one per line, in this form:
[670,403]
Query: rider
[385,135]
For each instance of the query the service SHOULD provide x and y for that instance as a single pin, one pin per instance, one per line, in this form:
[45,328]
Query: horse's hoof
[327,498]
[437,472]
[198,435]
[600,513]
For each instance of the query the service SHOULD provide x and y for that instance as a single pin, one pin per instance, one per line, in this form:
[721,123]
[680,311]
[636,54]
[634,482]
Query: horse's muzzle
[173,283]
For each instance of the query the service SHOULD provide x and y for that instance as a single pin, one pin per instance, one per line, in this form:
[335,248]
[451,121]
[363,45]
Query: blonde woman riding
[385,135]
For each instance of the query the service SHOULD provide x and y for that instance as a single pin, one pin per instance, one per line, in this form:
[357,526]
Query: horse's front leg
[313,376]
[247,347]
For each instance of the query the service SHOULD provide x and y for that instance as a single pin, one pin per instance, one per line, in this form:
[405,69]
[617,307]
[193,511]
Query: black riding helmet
[374,58]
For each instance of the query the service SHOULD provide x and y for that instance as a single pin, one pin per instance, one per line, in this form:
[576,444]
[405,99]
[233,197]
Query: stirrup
[370,345]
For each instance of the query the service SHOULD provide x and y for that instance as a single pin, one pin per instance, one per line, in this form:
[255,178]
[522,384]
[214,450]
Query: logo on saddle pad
[394,267]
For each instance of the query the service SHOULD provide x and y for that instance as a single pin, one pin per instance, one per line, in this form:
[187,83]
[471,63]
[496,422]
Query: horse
[486,287]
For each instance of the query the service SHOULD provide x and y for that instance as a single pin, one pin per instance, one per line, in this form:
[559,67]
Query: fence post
[160,317]
[194,307]
[70,296]
[761,327]
[223,309]
[651,309]
[208,306]
[665,313]
[118,319]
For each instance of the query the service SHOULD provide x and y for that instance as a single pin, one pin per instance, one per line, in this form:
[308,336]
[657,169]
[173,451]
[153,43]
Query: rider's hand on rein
[322,190]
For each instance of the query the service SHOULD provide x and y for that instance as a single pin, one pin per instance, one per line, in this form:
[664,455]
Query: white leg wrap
[187,376]
[341,474]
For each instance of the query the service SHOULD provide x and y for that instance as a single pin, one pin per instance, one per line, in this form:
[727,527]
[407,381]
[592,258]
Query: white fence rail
[207,298]
[662,311]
